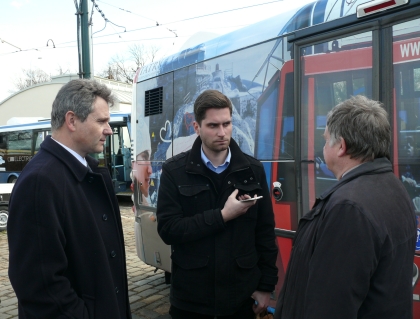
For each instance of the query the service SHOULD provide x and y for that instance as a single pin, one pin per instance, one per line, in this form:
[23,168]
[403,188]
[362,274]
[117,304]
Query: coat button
[113,254]
[245,181]
[229,182]
[251,178]
[105,217]
[117,290]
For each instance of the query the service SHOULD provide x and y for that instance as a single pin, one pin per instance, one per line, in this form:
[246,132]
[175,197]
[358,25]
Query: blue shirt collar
[219,169]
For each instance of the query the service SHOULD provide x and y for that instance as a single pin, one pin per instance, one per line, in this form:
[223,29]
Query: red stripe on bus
[311,140]
[379,6]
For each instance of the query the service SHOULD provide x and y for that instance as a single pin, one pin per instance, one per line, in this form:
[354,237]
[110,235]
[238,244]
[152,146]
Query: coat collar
[377,166]
[78,169]
[195,164]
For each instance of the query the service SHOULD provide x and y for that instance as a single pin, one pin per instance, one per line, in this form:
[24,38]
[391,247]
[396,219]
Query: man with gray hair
[353,252]
[67,255]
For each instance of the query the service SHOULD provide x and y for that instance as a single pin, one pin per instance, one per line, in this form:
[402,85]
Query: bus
[283,75]
[20,142]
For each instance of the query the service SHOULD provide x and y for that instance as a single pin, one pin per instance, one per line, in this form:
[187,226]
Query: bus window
[246,84]
[20,142]
[39,138]
[329,78]
[275,134]
[406,37]
[19,149]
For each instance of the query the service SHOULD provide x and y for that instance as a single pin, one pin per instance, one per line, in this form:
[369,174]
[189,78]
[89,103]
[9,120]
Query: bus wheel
[4,216]
[12,179]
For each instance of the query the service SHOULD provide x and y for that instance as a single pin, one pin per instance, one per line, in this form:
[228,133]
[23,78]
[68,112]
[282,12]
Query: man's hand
[234,208]
[262,300]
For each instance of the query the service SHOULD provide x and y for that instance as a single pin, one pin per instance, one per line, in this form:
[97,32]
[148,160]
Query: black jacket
[216,266]
[353,252]
[67,257]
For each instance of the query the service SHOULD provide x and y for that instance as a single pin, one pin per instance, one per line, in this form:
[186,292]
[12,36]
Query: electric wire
[59,45]
[193,18]
[128,11]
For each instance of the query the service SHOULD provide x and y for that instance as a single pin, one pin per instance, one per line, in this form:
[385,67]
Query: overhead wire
[192,18]
[94,5]
[128,11]
[144,28]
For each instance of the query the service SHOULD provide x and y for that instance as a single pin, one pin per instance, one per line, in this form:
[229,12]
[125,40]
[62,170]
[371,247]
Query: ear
[342,151]
[70,121]
[196,127]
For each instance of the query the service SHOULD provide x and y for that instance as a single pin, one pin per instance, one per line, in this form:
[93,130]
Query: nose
[108,130]
[221,131]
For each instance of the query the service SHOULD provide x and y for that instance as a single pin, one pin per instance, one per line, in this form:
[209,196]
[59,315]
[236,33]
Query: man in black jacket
[67,255]
[223,249]
[353,252]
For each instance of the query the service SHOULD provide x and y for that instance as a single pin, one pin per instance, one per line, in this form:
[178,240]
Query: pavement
[149,295]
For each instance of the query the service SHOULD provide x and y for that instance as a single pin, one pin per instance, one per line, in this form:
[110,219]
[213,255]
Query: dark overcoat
[216,266]
[67,256]
[353,252]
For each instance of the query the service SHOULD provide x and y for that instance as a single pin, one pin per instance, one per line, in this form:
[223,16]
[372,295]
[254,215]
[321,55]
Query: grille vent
[153,101]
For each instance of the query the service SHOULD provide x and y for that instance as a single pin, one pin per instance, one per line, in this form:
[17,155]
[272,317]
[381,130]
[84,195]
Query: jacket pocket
[196,198]
[250,189]
[247,274]
[247,261]
[188,271]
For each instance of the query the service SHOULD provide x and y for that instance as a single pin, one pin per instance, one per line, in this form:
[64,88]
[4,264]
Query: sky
[42,34]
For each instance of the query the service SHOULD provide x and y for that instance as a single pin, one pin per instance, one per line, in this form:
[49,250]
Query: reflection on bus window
[407,97]
[343,70]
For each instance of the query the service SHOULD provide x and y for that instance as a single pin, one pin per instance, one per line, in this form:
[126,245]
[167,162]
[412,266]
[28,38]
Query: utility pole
[85,50]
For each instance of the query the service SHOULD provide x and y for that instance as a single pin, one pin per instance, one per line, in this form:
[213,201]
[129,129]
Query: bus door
[345,67]
[117,157]
[406,123]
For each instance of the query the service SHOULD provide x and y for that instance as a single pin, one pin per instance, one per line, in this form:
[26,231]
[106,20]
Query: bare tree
[31,77]
[123,67]
[61,71]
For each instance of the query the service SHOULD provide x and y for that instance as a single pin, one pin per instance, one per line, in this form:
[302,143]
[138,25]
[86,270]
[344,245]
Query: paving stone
[152,299]
[146,313]
[147,293]
[163,309]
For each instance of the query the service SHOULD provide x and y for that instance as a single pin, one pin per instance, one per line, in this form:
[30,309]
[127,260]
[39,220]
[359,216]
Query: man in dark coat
[67,257]
[353,252]
[223,250]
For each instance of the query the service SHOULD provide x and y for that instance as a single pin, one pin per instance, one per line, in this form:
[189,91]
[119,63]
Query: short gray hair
[364,126]
[78,96]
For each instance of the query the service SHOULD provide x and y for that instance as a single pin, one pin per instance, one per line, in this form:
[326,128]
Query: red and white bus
[283,75]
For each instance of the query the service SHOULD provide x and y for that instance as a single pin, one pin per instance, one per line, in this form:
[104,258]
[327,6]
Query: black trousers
[245,312]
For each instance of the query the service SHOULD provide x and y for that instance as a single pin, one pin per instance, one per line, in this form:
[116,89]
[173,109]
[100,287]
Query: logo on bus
[19,158]
[2,161]
[406,50]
